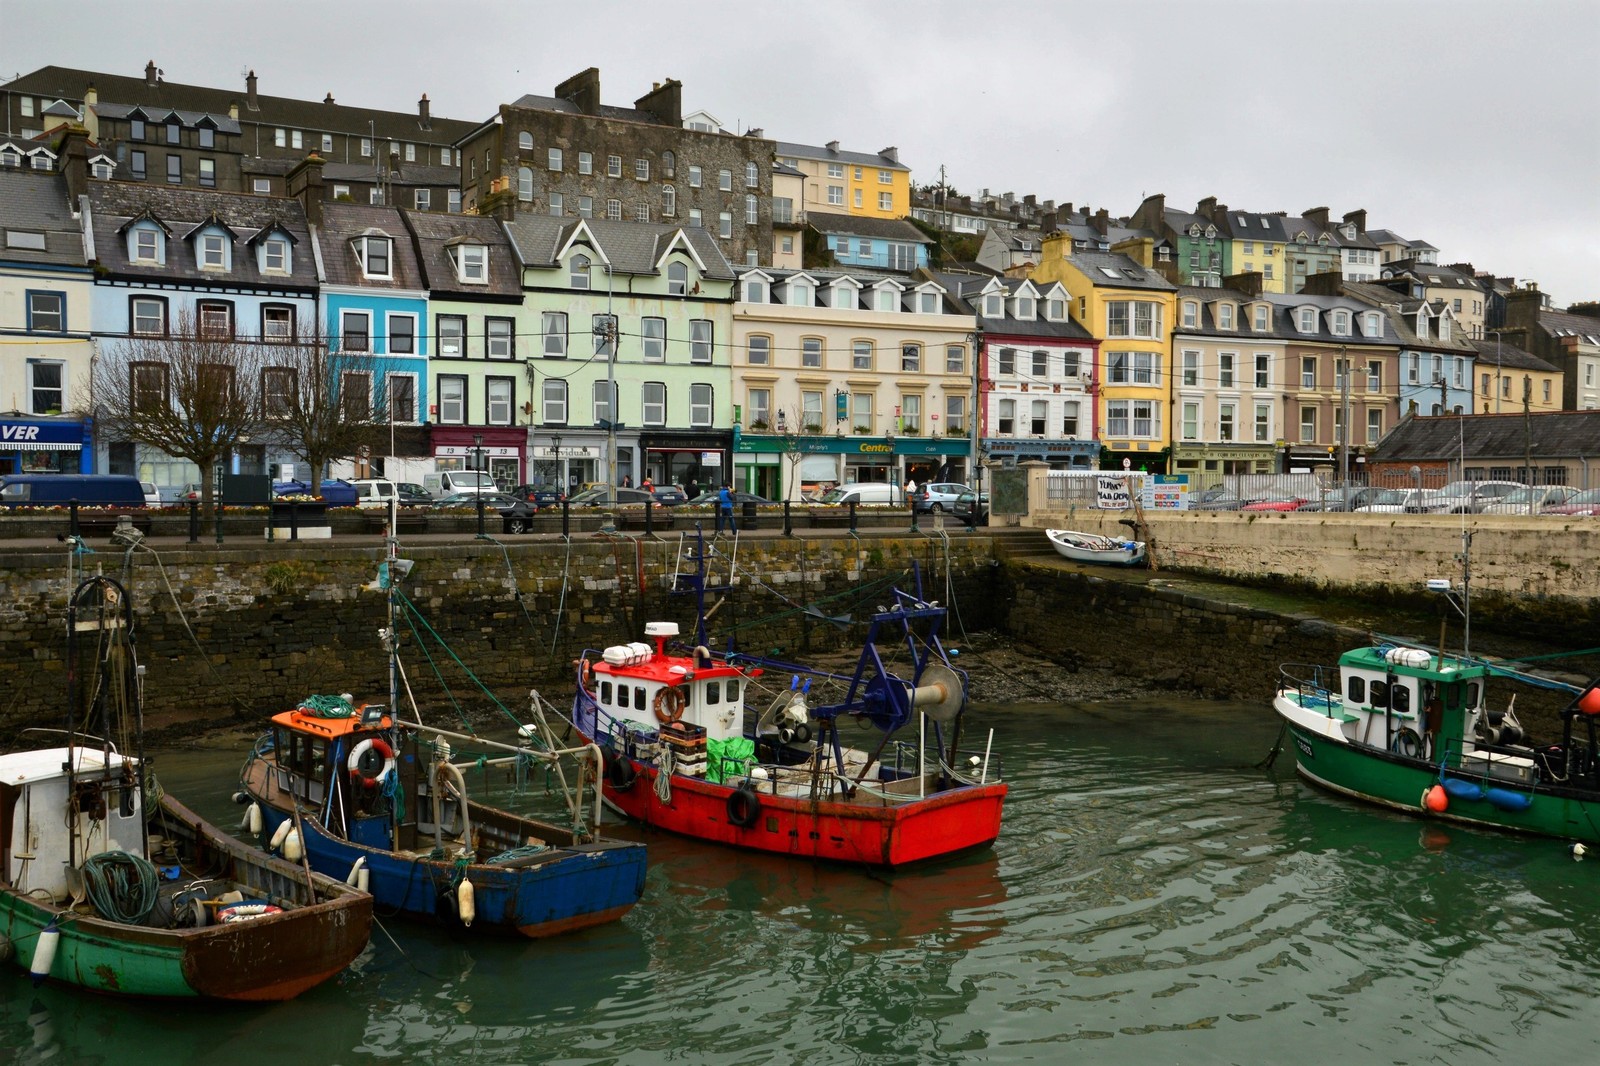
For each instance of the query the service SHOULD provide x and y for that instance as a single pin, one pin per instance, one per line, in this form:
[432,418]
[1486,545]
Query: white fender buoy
[44,953]
[353,878]
[291,846]
[280,833]
[254,816]
[465,906]
[361,879]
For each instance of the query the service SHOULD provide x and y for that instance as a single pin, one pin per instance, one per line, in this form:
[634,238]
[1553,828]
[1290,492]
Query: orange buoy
[1436,799]
[1590,703]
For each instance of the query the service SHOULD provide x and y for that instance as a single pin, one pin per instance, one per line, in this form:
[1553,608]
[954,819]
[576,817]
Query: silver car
[1470,497]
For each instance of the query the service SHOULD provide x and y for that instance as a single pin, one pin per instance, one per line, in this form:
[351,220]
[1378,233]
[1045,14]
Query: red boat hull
[859,832]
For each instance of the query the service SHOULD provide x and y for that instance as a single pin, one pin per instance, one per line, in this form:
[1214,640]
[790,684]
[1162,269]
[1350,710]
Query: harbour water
[1154,897]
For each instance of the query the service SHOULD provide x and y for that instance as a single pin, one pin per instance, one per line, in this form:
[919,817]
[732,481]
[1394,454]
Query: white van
[449,482]
[373,491]
[866,493]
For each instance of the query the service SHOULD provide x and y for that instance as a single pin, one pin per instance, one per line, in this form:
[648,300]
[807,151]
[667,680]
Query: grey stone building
[570,156]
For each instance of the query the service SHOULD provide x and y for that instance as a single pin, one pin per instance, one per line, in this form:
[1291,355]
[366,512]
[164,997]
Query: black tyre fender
[744,807]
[620,773]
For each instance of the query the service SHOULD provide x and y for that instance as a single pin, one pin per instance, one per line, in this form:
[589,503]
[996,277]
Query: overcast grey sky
[1472,124]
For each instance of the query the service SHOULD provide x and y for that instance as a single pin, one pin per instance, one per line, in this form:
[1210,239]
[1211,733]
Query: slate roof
[436,233]
[1079,227]
[36,201]
[1432,274]
[889,229]
[866,279]
[1509,355]
[829,155]
[535,102]
[406,174]
[342,223]
[1565,324]
[1401,311]
[113,204]
[70,84]
[1257,227]
[1554,436]
[159,115]
[1129,275]
[1285,324]
[964,289]
[630,247]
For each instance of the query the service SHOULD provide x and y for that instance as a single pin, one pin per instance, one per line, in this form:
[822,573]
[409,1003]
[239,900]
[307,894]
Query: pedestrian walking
[725,509]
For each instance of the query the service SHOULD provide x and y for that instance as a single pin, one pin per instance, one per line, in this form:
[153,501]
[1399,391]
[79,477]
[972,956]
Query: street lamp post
[561,475]
[1498,388]
[478,464]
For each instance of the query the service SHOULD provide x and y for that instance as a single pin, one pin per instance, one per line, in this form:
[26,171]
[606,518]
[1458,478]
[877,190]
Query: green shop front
[771,464]
[1205,462]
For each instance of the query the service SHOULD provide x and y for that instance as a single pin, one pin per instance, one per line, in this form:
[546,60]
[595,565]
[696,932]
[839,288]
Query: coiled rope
[122,886]
[328,706]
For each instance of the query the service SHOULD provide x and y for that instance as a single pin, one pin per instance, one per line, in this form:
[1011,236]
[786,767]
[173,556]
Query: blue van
[58,490]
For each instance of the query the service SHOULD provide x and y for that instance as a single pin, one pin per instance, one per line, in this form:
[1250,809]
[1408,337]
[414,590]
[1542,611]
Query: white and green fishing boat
[1409,727]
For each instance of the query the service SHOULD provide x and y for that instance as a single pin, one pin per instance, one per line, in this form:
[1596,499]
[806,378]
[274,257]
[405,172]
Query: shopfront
[1205,463]
[46,446]
[811,464]
[682,458]
[1059,454]
[499,450]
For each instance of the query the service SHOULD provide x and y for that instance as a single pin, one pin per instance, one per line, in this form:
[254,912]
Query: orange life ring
[669,705]
[585,672]
[364,774]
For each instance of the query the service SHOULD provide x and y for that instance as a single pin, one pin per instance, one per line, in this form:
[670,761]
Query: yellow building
[1119,298]
[871,184]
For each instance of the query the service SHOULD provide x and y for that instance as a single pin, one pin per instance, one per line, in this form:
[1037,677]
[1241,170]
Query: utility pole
[1344,423]
[1444,396]
[1527,431]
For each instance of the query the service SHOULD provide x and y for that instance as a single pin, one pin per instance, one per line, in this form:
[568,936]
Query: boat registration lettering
[1305,747]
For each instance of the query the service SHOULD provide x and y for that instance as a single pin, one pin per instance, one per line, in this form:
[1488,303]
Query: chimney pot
[250,92]
[425,112]
[150,74]
[328,99]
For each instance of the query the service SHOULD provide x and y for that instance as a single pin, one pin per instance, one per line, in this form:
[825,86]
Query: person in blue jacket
[725,509]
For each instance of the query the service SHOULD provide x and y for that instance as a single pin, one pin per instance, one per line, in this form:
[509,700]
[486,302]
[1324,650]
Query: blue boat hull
[554,891]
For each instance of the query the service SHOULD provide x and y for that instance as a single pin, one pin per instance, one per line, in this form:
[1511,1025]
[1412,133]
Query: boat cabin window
[1357,693]
[1378,692]
[1400,698]
[622,695]
[638,697]
[605,692]
[713,691]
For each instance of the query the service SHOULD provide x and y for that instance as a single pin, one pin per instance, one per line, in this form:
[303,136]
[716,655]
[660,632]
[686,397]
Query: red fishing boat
[706,745]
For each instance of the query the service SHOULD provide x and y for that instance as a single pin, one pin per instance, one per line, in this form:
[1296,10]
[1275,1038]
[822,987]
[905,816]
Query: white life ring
[239,912]
[371,744]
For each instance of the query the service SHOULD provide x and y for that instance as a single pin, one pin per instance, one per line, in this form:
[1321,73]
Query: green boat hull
[1400,783]
[88,958]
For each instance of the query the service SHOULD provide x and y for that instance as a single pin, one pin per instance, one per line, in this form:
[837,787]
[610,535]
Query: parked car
[1345,499]
[669,496]
[55,490]
[411,494]
[373,493]
[542,495]
[1584,503]
[468,501]
[1398,501]
[602,495]
[152,495]
[1217,499]
[937,496]
[1276,501]
[1470,497]
[517,517]
[971,507]
[740,498]
[1530,500]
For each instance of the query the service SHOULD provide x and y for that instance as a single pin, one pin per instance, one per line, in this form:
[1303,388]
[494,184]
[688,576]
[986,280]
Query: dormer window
[844,296]
[578,271]
[1444,327]
[799,294]
[1262,318]
[993,305]
[1054,309]
[677,278]
[755,290]
[1308,320]
[275,256]
[471,262]
[1224,316]
[885,300]
[1194,230]
[213,251]
[146,245]
[373,252]
[1024,309]
[1374,324]
[1191,313]
[1422,325]
[1341,323]
[928,303]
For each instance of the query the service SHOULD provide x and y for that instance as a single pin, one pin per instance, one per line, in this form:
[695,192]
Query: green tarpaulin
[728,758]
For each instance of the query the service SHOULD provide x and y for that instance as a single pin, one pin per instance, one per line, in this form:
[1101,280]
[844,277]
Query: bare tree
[321,405]
[190,393]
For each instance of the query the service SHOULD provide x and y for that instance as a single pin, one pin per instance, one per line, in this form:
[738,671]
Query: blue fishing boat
[375,799]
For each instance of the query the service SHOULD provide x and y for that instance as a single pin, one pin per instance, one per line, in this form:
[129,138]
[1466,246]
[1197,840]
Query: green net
[328,706]
[727,758]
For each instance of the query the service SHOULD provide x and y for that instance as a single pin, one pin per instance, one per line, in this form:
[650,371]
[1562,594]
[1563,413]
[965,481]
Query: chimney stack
[891,153]
[832,146]
[664,102]
[1318,215]
[304,183]
[1359,217]
[582,90]
[150,75]
[424,113]
[75,161]
[91,116]
[250,100]
[328,99]
[755,131]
